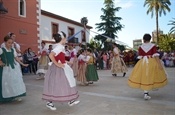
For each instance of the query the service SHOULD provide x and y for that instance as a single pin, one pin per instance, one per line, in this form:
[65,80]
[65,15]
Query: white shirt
[58,49]
[82,57]
[17,46]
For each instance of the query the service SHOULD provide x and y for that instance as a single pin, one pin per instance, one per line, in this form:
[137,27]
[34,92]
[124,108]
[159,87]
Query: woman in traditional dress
[148,73]
[11,83]
[59,84]
[81,77]
[118,65]
[91,71]
[74,60]
[43,61]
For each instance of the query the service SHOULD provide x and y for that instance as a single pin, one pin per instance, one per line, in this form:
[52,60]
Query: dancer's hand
[1,63]
[61,65]
[25,65]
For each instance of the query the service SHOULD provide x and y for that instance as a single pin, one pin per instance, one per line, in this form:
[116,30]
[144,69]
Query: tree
[94,44]
[110,24]
[172,23]
[167,42]
[158,7]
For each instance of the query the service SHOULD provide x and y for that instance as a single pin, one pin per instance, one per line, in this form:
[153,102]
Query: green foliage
[167,42]
[158,7]
[110,24]
[94,44]
[172,23]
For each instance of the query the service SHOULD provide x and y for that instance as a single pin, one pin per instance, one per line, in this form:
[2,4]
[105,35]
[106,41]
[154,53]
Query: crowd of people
[63,66]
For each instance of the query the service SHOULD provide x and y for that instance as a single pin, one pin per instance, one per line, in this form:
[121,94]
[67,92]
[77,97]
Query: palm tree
[158,7]
[172,22]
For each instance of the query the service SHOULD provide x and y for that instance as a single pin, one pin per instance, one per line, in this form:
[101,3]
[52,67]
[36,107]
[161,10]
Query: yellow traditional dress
[147,74]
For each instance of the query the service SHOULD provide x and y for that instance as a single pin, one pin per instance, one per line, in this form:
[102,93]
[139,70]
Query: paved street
[109,96]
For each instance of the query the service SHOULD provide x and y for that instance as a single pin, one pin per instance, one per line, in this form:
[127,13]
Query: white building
[52,23]
[137,43]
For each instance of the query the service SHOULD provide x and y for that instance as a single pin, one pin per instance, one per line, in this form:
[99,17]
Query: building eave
[52,15]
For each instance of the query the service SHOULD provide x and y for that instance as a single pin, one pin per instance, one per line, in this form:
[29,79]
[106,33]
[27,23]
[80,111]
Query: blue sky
[133,14]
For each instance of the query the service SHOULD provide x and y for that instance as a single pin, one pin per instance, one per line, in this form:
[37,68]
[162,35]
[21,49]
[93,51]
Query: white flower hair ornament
[61,34]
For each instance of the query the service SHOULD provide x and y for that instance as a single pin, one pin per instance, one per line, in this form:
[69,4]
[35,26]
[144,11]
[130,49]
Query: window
[22,8]
[70,31]
[54,28]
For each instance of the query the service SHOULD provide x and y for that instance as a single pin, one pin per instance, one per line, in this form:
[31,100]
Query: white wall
[46,29]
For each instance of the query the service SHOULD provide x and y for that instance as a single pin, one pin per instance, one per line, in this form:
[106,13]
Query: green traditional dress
[91,72]
[11,82]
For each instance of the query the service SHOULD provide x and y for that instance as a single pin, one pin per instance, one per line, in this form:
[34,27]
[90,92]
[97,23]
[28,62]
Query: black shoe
[90,82]
[113,74]
[124,74]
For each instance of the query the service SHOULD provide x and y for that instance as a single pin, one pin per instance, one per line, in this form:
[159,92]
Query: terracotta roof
[52,15]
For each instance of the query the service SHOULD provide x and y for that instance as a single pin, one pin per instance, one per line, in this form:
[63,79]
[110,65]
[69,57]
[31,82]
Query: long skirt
[43,64]
[91,73]
[118,65]
[11,83]
[74,66]
[82,73]
[56,86]
[147,76]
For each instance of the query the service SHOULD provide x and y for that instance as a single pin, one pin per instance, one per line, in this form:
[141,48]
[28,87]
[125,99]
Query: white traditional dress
[11,82]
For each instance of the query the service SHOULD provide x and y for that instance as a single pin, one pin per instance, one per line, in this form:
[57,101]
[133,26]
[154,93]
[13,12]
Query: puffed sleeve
[1,51]
[154,50]
[88,58]
[79,57]
[116,51]
[18,46]
[58,49]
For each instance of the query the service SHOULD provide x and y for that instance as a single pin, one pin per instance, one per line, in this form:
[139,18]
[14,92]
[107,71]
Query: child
[11,83]
[82,68]
[43,61]
[148,73]
[91,72]
[118,65]
[59,84]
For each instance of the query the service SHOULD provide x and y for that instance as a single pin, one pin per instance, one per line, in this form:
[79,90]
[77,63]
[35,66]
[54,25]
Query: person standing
[148,73]
[67,53]
[30,60]
[91,71]
[118,65]
[81,77]
[59,84]
[11,83]
[74,60]
[50,48]
[15,45]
